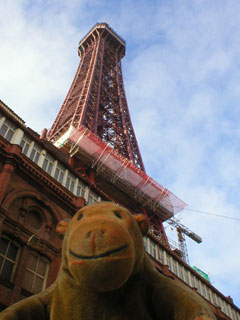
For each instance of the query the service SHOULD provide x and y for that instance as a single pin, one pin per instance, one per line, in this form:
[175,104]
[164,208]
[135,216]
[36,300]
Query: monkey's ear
[143,223]
[62,226]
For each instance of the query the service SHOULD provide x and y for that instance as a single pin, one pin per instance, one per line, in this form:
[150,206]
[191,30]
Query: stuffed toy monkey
[106,275]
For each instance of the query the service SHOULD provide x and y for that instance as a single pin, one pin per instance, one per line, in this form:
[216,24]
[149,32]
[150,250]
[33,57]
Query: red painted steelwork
[97,98]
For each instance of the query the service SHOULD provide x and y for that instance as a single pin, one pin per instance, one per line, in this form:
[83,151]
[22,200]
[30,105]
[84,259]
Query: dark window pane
[193,282]
[22,143]
[9,135]
[82,193]
[3,130]
[7,270]
[72,186]
[12,252]
[32,154]
[23,296]
[3,246]
[25,149]
[32,262]
[1,262]
[50,166]
[67,183]
[56,174]
[38,284]
[36,158]
[45,162]
[28,280]
[41,267]
[34,219]
[61,177]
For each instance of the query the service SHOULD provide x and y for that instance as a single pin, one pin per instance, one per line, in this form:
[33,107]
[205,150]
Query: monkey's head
[103,245]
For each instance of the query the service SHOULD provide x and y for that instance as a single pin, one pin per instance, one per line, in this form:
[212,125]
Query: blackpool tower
[95,118]
[96,98]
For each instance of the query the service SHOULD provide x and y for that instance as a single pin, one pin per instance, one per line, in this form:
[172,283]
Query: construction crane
[182,231]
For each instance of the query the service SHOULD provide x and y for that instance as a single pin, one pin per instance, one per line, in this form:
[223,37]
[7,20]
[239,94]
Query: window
[34,218]
[198,285]
[35,153]
[174,266]
[70,182]
[25,144]
[9,252]
[208,294]
[169,262]
[48,164]
[185,275]
[180,271]
[237,315]
[234,314]
[80,190]
[145,240]
[7,130]
[93,197]
[226,310]
[160,255]
[230,311]
[204,290]
[194,285]
[59,173]
[153,249]
[222,305]
[216,299]
[36,273]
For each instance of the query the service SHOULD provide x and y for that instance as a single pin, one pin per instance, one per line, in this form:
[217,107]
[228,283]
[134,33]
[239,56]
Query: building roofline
[12,113]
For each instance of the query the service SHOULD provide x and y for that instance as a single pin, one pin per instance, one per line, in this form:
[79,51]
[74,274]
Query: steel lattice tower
[96,98]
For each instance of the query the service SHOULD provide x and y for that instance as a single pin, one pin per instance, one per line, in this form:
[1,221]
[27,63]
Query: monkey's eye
[117,214]
[80,216]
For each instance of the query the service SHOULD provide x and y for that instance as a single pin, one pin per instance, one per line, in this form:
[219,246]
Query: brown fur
[106,274]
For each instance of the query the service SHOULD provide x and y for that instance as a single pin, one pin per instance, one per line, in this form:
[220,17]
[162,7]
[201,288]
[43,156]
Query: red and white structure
[96,98]
[94,126]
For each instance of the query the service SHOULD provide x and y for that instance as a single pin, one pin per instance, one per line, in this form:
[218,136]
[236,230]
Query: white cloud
[34,51]
[185,92]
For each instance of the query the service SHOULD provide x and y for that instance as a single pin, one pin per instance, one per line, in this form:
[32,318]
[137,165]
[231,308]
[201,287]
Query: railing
[185,274]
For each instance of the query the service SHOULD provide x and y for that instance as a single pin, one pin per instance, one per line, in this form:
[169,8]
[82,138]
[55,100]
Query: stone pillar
[17,137]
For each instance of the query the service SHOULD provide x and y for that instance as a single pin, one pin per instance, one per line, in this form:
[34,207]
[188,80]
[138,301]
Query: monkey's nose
[94,237]
[96,232]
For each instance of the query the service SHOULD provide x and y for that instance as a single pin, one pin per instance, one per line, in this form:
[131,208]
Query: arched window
[9,253]
[34,217]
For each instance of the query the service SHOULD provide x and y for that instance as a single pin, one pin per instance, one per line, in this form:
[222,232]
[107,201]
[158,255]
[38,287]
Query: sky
[182,80]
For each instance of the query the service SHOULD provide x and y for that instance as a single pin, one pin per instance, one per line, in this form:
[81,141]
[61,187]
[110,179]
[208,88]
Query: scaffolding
[123,173]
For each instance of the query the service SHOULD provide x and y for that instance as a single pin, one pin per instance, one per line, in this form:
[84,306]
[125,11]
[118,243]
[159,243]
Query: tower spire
[97,98]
